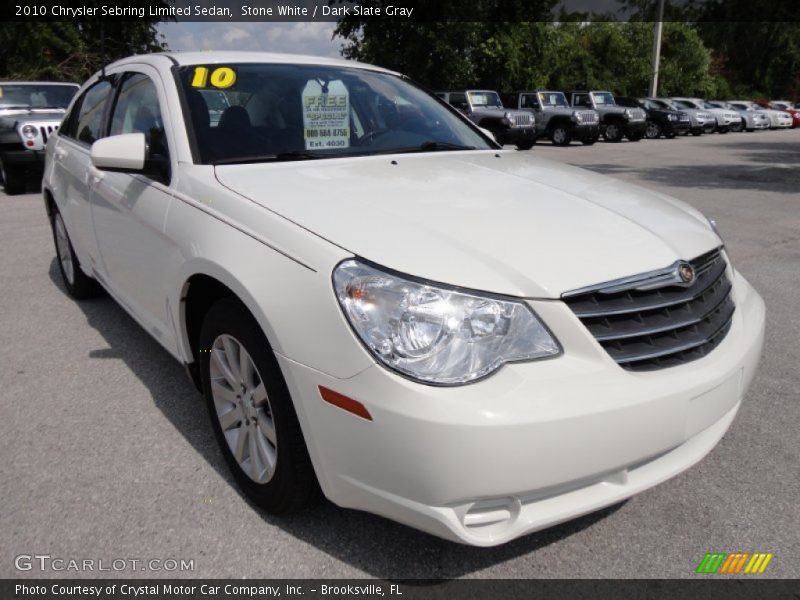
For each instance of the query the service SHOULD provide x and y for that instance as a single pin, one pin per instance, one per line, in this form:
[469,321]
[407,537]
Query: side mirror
[125,152]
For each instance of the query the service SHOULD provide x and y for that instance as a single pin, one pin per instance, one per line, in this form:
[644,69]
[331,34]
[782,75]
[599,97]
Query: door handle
[60,153]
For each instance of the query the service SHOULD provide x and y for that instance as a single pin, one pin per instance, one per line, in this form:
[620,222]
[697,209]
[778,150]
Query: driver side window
[530,101]
[581,100]
[459,101]
[137,111]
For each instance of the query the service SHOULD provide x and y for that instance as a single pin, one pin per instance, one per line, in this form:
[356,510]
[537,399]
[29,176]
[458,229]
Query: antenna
[103,49]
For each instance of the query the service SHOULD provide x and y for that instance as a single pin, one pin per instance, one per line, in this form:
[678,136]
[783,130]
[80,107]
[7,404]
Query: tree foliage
[701,53]
[71,50]
[525,55]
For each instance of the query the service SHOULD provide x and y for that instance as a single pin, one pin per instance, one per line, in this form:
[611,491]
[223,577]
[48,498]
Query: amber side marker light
[345,403]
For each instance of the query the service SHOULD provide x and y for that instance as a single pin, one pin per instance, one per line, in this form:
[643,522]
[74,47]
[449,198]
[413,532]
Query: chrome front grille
[651,322]
[637,114]
[588,117]
[522,120]
[46,131]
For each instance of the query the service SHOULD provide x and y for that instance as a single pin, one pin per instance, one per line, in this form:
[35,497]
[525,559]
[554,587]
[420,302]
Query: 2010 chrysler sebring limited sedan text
[378,301]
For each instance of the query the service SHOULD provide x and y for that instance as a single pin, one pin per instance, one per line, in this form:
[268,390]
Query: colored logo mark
[732,564]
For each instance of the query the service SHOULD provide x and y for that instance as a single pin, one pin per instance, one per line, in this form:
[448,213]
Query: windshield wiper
[431,146]
[279,157]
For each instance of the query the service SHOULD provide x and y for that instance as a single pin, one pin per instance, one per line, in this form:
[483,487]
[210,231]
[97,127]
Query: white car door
[70,160]
[129,209]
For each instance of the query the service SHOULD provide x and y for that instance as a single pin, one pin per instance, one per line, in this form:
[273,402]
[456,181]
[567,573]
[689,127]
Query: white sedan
[378,301]
[778,119]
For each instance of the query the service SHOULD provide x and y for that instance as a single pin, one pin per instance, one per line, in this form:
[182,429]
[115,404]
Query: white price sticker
[326,115]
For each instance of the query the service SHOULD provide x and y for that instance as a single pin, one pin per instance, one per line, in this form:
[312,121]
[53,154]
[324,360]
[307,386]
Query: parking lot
[108,453]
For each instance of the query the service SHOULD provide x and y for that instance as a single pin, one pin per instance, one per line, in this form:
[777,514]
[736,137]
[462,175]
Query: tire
[697,133]
[653,131]
[723,129]
[613,133]
[737,127]
[561,136]
[79,285]
[751,129]
[671,135]
[526,145]
[13,179]
[281,478]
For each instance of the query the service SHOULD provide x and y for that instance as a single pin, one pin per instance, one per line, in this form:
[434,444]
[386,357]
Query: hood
[9,118]
[504,222]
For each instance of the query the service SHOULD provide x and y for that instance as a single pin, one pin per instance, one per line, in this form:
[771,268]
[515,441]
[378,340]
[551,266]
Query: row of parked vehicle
[520,118]
[31,111]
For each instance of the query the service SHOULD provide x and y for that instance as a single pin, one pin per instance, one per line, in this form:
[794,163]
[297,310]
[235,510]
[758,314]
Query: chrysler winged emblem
[686,272]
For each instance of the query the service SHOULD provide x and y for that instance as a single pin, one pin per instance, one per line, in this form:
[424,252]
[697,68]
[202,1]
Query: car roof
[229,56]
[544,91]
[465,90]
[11,82]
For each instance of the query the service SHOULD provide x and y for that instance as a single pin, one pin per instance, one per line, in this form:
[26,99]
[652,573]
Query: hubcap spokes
[62,247]
[243,409]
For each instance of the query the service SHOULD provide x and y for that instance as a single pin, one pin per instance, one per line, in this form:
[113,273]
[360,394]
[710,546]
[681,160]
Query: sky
[293,37]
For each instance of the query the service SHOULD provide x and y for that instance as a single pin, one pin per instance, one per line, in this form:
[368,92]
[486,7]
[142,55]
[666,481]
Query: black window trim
[120,79]
[73,115]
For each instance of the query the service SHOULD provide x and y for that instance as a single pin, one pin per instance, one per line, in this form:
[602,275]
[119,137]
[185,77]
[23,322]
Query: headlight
[29,131]
[672,117]
[576,116]
[435,334]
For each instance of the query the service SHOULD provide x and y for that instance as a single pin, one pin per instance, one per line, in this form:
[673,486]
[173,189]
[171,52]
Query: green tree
[72,50]
[442,53]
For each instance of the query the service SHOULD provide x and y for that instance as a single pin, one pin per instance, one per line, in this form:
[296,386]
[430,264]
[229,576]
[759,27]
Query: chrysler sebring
[379,302]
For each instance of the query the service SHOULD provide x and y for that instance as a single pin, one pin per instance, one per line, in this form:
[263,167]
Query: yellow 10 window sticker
[220,77]
[326,115]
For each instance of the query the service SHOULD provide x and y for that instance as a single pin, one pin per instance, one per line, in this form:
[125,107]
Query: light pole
[656,49]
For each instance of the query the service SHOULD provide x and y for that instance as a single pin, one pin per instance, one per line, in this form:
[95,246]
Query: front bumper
[535,444]
[586,131]
[34,158]
[677,127]
[635,128]
[515,135]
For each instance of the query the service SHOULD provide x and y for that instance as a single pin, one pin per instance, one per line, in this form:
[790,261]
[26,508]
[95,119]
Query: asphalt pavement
[107,452]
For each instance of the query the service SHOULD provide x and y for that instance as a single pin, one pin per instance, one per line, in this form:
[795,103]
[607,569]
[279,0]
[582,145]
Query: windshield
[276,112]
[686,104]
[477,99]
[603,99]
[780,105]
[36,95]
[553,99]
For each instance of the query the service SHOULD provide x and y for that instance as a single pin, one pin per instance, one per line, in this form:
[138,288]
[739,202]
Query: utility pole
[656,49]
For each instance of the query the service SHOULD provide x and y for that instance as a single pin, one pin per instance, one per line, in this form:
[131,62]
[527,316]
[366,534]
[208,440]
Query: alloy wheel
[613,133]
[243,409]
